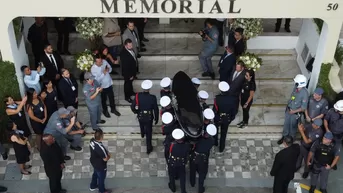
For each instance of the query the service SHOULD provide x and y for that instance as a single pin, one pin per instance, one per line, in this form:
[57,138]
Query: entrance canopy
[173,8]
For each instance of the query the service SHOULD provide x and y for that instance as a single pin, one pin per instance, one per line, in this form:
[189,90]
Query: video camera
[204,33]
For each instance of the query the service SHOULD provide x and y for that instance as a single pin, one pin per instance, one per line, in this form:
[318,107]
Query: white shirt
[235,75]
[220,19]
[48,55]
[132,53]
[105,80]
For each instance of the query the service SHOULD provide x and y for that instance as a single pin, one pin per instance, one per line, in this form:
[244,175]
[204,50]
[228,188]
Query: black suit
[63,28]
[226,65]
[236,84]
[284,168]
[53,157]
[38,37]
[69,95]
[239,47]
[129,69]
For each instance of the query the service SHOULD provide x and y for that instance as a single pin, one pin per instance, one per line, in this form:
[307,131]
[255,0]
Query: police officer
[165,84]
[317,106]
[208,117]
[323,156]
[196,82]
[145,106]
[210,37]
[165,103]
[296,105]
[200,156]
[59,130]
[203,96]
[309,134]
[77,131]
[169,124]
[225,111]
[178,157]
[92,90]
[333,121]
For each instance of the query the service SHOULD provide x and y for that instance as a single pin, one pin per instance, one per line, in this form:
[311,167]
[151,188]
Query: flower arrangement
[252,27]
[251,61]
[84,60]
[89,28]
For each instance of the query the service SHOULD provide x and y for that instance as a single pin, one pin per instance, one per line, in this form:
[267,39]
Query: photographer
[77,131]
[210,37]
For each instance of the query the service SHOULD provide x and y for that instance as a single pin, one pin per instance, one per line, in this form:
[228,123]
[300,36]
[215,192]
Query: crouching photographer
[76,133]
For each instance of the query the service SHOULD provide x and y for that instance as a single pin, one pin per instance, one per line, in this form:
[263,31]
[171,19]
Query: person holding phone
[32,77]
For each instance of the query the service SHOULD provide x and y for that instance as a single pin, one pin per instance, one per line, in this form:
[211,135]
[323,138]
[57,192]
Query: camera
[204,33]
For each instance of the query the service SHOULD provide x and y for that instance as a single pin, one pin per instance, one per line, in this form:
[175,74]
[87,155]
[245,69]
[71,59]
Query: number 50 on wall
[332,7]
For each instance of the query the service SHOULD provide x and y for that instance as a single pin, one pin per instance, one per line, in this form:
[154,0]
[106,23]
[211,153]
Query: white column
[327,44]
[164,20]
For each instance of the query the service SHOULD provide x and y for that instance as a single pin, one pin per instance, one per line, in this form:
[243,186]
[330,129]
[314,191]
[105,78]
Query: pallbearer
[165,84]
[203,96]
[166,105]
[169,124]
[145,106]
[208,116]
[178,157]
[196,82]
[200,156]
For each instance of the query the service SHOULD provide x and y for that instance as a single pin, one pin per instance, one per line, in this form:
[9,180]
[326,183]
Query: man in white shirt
[32,77]
[101,70]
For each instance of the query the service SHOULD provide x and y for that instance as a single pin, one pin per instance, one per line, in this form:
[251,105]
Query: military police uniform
[93,105]
[203,96]
[316,108]
[209,48]
[165,84]
[177,161]
[200,156]
[323,155]
[196,82]
[312,133]
[299,99]
[225,111]
[335,121]
[145,106]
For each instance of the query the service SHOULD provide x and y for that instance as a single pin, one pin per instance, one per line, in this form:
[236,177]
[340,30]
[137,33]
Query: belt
[202,154]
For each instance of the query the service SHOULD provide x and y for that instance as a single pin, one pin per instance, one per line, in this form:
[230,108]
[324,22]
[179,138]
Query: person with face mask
[297,104]
[333,122]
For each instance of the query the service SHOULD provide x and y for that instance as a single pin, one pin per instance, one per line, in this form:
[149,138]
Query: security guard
[203,96]
[165,103]
[333,121]
[225,111]
[323,156]
[208,117]
[200,156]
[92,90]
[296,105]
[145,106]
[165,84]
[317,106]
[196,82]
[169,124]
[177,161]
[310,133]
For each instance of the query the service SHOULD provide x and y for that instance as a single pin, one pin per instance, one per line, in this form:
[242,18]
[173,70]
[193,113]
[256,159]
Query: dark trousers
[146,129]
[140,27]
[280,185]
[202,168]
[303,156]
[224,126]
[128,88]
[37,54]
[107,93]
[98,180]
[287,24]
[224,76]
[179,171]
[246,110]
[55,182]
[75,105]
[220,25]
[63,30]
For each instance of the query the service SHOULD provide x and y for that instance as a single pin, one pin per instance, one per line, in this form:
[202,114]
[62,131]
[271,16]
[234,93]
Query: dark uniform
[204,105]
[166,92]
[178,157]
[167,130]
[225,111]
[284,167]
[145,106]
[322,155]
[199,161]
[335,123]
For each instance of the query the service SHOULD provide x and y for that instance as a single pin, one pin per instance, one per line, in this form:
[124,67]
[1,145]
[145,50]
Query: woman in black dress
[14,110]
[49,96]
[247,95]
[38,114]
[21,148]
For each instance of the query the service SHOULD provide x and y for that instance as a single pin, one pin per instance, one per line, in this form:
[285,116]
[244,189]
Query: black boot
[172,188]
[277,28]
[280,141]
[305,175]
[312,189]
[323,191]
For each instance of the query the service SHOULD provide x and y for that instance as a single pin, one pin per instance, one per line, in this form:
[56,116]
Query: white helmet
[301,80]
[339,105]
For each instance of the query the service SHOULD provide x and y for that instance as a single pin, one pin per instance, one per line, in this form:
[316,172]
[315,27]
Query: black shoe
[66,158]
[77,148]
[149,150]
[305,175]
[142,135]
[323,191]
[142,50]
[26,173]
[106,114]
[5,155]
[28,167]
[201,190]
[212,75]
[172,188]
[221,150]
[139,56]
[287,29]
[243,126]
[142,45]
[312,189]
[145,40]
[277,29]
[129,100]
[96,129]
[280,141]
[186,20]
[101,122]
[114,111]
[3,189]
[204,74]
[334,167]
[63,191]
[240,123]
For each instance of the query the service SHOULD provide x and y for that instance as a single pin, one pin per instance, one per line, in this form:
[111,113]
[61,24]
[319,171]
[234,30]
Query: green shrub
[9,86]
[324,82]
[17,26]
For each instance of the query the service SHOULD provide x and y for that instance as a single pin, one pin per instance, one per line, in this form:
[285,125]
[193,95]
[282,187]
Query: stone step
[267,93]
